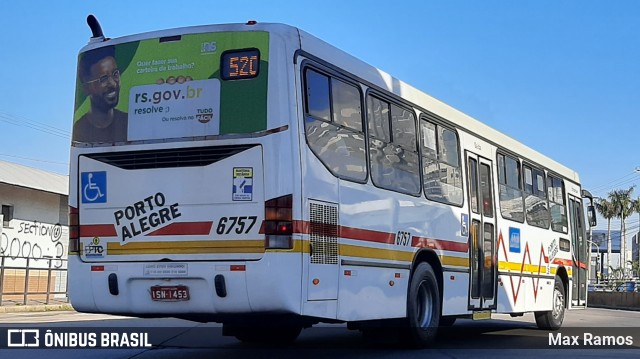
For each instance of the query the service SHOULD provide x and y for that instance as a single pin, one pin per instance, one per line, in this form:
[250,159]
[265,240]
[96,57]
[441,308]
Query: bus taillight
[278,224]
[74,231]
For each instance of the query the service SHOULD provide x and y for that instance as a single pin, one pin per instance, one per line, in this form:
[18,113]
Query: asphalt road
[501,337]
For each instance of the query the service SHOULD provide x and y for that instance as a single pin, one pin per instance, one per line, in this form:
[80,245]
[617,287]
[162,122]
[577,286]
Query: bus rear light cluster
[278,224]
[74,231]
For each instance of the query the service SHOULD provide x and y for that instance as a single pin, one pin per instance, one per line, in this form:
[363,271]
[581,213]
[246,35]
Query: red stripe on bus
[303,227]
[184,229]
[422,242]
[569,263]
[97,230]
[564,262]
[300,227]
[366,235]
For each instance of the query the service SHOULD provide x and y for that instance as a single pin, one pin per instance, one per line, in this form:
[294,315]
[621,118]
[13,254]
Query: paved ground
[57,305]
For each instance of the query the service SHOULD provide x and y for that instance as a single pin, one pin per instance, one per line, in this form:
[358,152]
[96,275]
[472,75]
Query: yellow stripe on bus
[375,253]
[528,268]
[455,261]
[389,254]
[257,246]
[186,247]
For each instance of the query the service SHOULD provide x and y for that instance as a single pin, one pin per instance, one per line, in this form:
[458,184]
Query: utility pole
[623,246]
[597,265]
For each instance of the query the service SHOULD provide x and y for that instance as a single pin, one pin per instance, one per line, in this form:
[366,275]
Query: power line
[34,159]
[610,186]
[21,121]
[35,125]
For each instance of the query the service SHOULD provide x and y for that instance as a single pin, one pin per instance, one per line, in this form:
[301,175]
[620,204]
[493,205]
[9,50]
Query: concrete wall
[39,231]
[39,228]
[614,300]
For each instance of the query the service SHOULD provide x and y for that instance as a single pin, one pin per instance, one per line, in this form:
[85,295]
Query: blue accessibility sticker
[94,187]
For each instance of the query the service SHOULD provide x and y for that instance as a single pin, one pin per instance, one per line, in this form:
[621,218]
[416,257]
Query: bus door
[578,253]
[482,234]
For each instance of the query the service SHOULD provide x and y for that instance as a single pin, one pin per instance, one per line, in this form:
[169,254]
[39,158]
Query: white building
[33,225]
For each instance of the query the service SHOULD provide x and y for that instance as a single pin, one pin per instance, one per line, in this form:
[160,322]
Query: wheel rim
[558,304]
[424,307]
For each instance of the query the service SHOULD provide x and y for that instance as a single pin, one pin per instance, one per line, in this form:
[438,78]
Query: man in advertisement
[100,77]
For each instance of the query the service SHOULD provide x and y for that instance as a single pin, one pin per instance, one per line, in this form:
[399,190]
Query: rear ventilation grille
[323,233]
[179,157]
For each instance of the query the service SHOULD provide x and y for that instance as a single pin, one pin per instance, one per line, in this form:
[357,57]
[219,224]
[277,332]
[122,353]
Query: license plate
[169,293]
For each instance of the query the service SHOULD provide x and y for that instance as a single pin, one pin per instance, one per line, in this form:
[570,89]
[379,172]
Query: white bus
[254,175]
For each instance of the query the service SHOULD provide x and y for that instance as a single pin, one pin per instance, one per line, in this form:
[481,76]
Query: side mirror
[591,215]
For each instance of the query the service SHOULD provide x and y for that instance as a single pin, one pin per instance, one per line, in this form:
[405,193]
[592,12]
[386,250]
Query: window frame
[504,154]
[551,175]
[338,76]
[535,190]
[381,96]
[432,119]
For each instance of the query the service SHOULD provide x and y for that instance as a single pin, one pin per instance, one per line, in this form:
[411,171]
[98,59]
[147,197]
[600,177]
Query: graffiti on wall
[34,240]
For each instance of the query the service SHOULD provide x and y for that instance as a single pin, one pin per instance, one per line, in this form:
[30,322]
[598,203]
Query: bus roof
[370,74]
[377,77]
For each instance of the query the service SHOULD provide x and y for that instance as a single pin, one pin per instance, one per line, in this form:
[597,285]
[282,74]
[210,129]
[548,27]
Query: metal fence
[615,285]
[27,281]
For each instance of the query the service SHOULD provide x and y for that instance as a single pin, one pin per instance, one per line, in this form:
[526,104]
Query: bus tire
[423,306]
[552,320]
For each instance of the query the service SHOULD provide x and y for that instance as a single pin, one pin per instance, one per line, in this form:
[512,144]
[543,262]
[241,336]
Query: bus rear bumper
[181,289]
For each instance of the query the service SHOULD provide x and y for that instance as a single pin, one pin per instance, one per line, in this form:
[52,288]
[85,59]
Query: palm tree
[622,201]
[608,212]
[636,208]
[635,204]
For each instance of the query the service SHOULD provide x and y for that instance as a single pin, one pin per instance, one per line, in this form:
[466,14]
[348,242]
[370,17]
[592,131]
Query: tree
[608,211]
[636,208]
[622,202]
[635,268]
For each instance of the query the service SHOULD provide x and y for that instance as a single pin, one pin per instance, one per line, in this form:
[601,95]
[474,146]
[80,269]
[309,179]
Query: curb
[36,308]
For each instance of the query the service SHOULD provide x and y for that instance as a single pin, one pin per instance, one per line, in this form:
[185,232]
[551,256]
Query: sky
[563,77]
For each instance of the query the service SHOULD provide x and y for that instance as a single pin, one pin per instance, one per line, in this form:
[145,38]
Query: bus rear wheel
[423,306]
[552,320]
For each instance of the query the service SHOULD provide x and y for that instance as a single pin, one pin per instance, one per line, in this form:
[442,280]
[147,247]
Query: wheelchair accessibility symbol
[94,187]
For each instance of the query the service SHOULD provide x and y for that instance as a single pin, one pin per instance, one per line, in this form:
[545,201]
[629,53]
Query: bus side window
[392,146]
[536,197]
[403,127]
[333,125]
[318,95]
[347,110]
[557,207]
[442,175]
[510,188]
